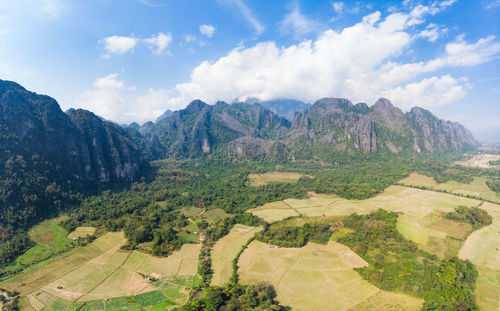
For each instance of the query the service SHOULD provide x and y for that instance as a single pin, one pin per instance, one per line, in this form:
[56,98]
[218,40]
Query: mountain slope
[200,128]
[46,155]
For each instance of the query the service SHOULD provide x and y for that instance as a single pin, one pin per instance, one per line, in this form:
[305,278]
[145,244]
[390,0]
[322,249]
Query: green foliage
[397,265]
[235,297]
[475,216]
[288,236]
[494,185]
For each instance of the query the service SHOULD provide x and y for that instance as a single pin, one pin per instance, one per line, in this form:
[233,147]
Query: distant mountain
[285,107]
[330,125]
[201,128]
[164,115]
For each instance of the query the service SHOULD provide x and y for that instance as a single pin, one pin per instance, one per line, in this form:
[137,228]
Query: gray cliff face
[335,122]
[436,135]
[200,128]
[87,149]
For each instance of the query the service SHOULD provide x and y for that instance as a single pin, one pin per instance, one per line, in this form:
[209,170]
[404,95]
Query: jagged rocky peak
[439,135]
[45,130]
[386,114]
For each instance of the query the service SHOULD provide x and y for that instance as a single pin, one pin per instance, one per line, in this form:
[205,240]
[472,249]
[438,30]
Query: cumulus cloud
[432,32]
[429,93]
[207,30]
[360,62]
[112,99]
[247,13]
[357,63]
[159,43]
[118,44]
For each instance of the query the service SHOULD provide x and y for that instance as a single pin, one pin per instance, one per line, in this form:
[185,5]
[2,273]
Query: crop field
[481,160]
[101,270]
[50,239]
[477,187]
[263,179]
[482,248]
[314,277]
[421,214]
[226,249]
[388,301]
[81,232]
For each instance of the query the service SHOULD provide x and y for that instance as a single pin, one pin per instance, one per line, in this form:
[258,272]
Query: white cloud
[432,32]
[247,14]
[356,63]
[159,43]
[207,30]
[53,8]
[493,4]
[189,38]
[429,93]
[297,23]
[113,100]
[118,44]
[338,7]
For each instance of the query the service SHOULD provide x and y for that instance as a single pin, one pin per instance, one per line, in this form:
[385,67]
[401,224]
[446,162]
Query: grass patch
[162,305]
[81,232]
[257,180]
[121,303]
[150,298]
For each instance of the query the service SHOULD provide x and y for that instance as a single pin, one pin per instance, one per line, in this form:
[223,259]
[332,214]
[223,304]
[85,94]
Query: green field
[477,188]
[226,249]
[314,277]
[256,180]
[482,248]
[50,239]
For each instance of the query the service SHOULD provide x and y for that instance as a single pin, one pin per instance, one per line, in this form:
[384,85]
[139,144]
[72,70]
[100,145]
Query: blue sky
[129,60]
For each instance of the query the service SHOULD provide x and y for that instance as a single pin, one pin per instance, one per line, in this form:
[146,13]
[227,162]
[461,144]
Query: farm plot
[482,160]
[477,187]
[50,239]
[265,178]
[81,232]
[421,214]
[226,249]
[314,277]
[482,248]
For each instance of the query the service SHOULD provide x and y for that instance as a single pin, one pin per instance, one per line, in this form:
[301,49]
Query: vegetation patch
[150,298]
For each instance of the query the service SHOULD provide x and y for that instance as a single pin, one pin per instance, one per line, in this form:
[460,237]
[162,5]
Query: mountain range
[89,149]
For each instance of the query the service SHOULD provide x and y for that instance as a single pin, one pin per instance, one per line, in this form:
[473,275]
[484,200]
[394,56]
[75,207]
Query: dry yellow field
[477,187]
[226,249]
[421,214]
[263,179]
[314,277]
[482,248]
[81,232]
[481,160]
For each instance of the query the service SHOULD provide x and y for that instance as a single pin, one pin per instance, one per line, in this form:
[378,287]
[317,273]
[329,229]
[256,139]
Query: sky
[130,60]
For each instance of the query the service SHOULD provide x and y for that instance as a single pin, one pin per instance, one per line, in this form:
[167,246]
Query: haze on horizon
[132,60]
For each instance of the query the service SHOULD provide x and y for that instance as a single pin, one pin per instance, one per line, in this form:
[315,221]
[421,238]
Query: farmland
[50,239]
[314,277]
[482,160]
[226,249]
[101,270]
[81,232]
[265,178]
[483,249]
[421,218]
[477,187]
